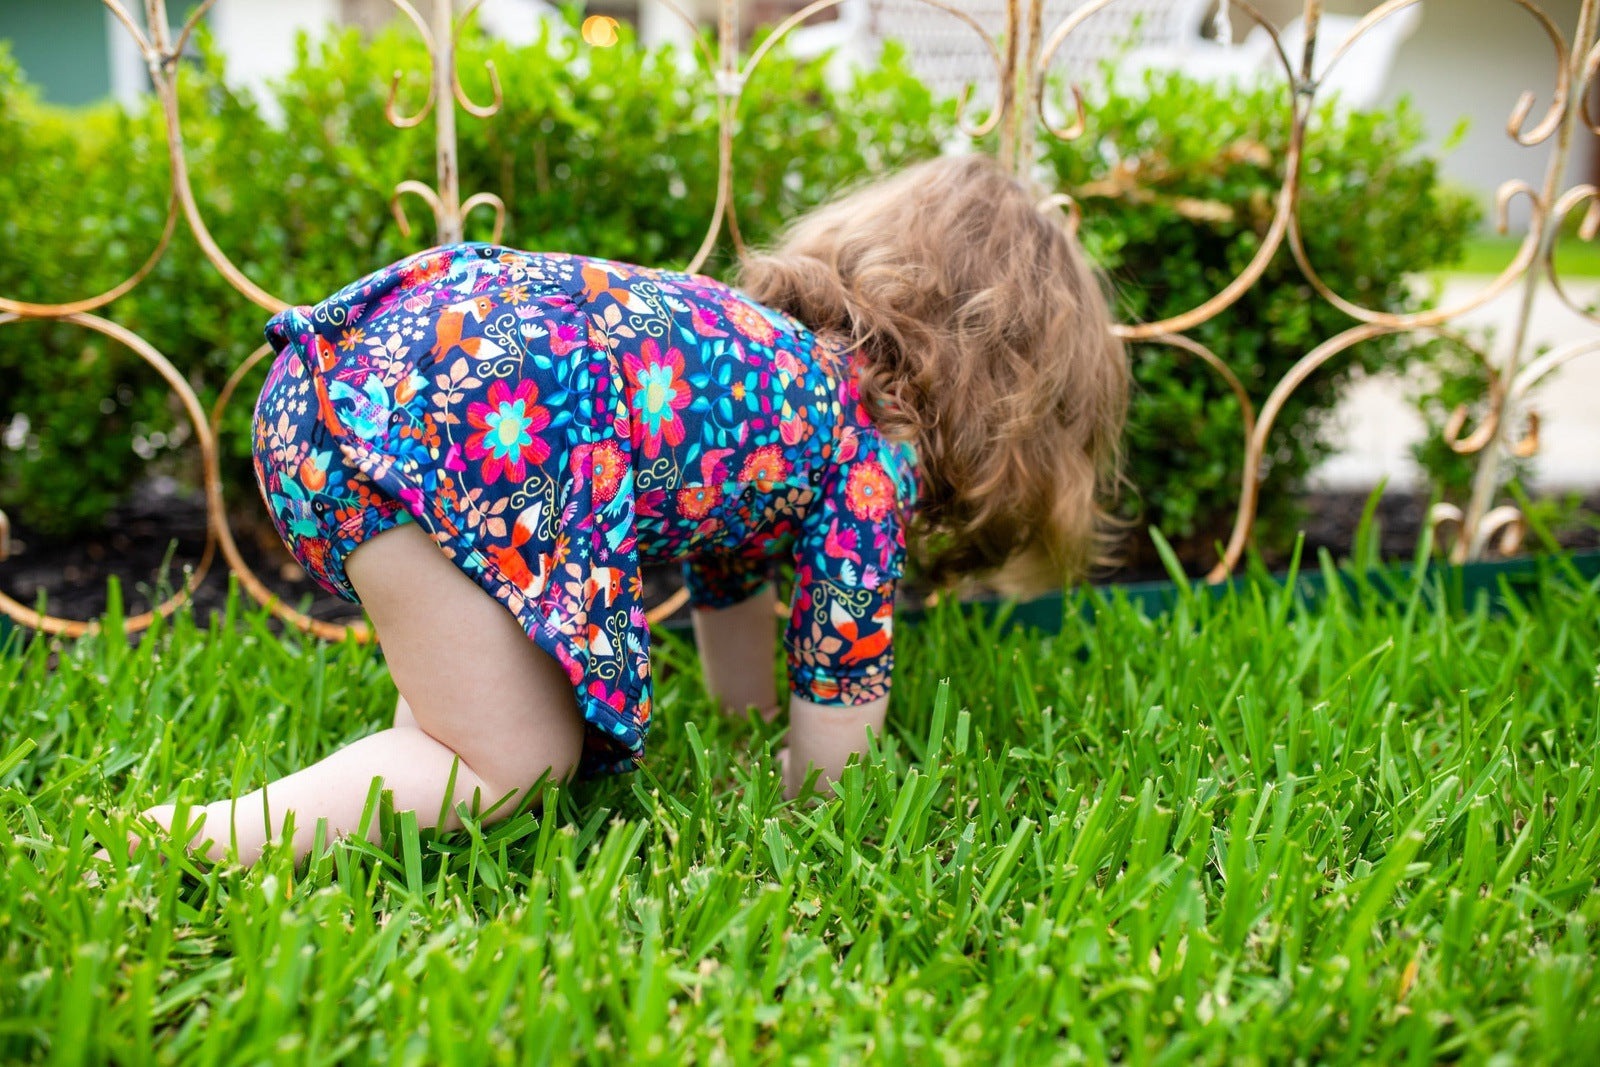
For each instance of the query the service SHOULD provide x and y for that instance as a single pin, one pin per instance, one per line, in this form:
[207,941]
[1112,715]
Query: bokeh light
[600,30]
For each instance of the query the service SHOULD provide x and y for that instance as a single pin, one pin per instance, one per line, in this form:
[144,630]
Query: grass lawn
[1491,254]
[1244,832]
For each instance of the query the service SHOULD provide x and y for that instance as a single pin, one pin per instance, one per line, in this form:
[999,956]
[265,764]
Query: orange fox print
[452,320]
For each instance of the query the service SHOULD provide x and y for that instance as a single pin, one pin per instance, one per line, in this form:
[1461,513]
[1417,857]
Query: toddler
[481,446]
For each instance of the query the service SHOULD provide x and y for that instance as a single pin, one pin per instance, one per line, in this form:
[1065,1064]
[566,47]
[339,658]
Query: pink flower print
[657,392]
[612,698]
[869,493]
[696,501]
[600,463]
[792,425]
[508,431]
[566,336]
[750,322]
[840,544]
[705,323]
[766,467]
[849,445]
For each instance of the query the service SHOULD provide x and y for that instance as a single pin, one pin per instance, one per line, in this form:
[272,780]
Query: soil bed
[160,526]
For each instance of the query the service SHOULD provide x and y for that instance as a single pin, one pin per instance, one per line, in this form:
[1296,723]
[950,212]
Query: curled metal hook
[1591,64]
[1068,206]
[963,99]
[1528,445]
[1505,521]
[1478,439]
[390,111]
[482,111]
[1080,117]
[428,196]
[477,200]
[497,97]
[1502,202]
[1558,103]
[1443,516]
[1588,227]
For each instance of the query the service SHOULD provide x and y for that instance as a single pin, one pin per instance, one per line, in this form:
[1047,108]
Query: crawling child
[482,445]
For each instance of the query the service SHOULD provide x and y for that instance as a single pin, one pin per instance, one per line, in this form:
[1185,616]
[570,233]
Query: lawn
[1491,254]
[1251,830]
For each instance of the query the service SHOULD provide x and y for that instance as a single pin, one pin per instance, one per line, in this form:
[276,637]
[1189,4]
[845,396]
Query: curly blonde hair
[985,340]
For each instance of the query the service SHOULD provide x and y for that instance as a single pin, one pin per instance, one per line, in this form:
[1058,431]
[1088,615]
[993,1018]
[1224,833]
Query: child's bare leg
[474,689]
[735,645]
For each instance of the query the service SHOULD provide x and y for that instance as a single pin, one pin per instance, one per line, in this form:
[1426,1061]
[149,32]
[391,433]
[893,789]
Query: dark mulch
[162,526]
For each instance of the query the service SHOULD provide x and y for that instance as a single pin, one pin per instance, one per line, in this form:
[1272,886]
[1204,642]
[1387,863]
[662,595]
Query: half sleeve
[848,559]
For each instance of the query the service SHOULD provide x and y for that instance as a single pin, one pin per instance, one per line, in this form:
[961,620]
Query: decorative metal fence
[1021,54]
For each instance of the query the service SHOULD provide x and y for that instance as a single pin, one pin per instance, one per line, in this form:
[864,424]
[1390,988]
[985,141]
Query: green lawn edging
[1463,584]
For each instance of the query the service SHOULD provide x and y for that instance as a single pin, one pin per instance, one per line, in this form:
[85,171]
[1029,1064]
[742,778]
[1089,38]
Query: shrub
[1182,182]
[81,205]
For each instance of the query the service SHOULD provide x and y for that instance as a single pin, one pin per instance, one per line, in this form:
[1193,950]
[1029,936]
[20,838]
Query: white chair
[518,22]
[1357,81]
[948,55]
[1361,73]
[1138,35]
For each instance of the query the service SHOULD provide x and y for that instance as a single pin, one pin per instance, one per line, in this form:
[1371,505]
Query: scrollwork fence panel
[1022,55]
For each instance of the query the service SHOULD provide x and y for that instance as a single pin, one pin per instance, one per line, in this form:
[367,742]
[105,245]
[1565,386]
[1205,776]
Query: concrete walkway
[1377,424]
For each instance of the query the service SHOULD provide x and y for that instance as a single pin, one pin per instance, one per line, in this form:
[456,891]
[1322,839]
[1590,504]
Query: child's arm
[736,645]
[826,736]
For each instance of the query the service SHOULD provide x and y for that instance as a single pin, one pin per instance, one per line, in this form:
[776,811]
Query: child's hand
[153,821]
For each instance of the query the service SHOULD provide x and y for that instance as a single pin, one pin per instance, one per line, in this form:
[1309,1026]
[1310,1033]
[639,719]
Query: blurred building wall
[1470,60]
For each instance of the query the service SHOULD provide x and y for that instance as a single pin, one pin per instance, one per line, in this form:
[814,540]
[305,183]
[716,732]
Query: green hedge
[1205,165]
[611,152]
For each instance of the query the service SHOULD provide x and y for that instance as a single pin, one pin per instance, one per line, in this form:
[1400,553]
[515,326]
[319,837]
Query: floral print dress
[553,420]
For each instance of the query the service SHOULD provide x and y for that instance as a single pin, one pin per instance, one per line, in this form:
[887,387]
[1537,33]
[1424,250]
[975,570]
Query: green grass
[1247,831]
[1491,254]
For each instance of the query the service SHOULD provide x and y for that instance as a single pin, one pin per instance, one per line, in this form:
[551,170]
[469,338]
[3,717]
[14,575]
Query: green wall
[62,46]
